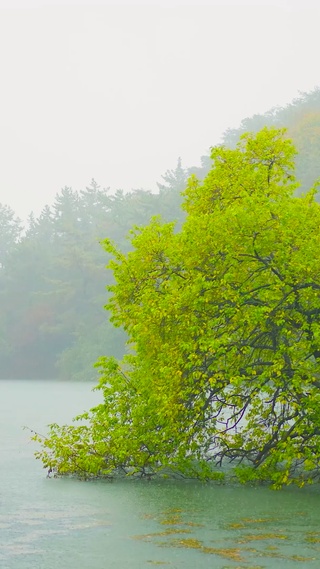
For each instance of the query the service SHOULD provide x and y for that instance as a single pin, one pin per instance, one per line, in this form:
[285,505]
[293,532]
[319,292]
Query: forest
[53,275]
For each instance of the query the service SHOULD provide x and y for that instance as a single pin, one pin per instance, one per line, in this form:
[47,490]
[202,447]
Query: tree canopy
[301,118]
[223,325]
[52,269]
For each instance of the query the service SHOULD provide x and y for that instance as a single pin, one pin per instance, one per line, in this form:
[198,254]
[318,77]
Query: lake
[130,524]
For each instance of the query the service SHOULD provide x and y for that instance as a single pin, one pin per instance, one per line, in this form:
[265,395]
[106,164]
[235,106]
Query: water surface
[67,524]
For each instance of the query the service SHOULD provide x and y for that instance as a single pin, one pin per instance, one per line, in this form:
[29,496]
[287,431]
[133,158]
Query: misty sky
[119,92]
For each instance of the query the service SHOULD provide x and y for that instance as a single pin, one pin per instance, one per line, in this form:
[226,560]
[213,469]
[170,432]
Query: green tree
[10,234]
[301,118]
[28,316]
[10,231]
[223,318]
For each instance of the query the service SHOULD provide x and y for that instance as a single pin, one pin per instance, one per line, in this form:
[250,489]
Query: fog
[118,93]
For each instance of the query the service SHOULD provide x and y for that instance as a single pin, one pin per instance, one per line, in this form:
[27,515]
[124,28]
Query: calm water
[67,524]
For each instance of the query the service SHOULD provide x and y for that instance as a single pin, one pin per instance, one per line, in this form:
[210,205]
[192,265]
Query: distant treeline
[52,272]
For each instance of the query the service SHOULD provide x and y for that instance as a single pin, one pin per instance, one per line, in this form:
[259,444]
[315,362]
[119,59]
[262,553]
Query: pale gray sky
[117,92]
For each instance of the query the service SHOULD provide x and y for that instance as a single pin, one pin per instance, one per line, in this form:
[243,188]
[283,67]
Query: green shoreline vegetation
[208,354]
[222,320]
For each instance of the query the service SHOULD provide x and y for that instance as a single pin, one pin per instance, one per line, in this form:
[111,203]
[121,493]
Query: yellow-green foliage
[223,321]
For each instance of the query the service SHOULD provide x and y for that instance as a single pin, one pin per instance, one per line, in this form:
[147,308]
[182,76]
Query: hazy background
[119,92]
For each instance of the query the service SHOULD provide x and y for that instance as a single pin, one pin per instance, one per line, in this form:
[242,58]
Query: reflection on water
[67,524]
